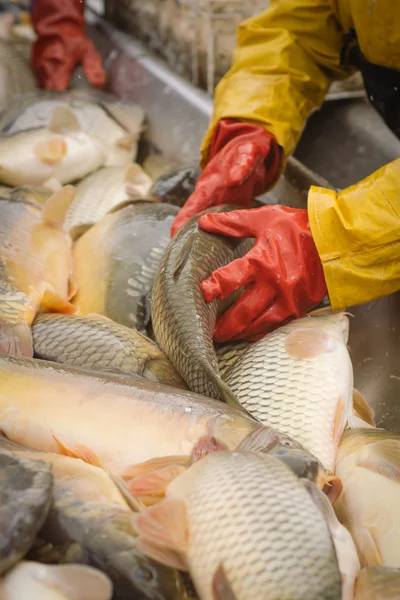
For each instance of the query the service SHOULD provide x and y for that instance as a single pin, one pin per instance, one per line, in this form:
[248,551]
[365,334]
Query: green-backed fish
[91,523]
[102,192]
[299,380]
[176,186]
[183,321]
[247,528]
[229,353]
[35,266]
[15,75]
[368,464]
[96,342]
[25,500]
[116,260]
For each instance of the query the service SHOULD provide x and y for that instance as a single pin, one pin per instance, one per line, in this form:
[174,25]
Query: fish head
[336,325]
[151,577]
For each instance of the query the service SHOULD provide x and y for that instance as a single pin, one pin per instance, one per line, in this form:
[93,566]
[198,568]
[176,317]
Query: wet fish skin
[48,136]
[101,344]
[299,380]
[229,353]
[378,583]
[175,187]
[90,523]
[25,500]
[182,320]
[116,260]
[249,515]
[35,267]
[124,421]
[55,582]
[102,192]
[368,464]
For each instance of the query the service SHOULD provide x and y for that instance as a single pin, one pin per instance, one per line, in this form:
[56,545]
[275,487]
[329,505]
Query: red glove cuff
[231,129]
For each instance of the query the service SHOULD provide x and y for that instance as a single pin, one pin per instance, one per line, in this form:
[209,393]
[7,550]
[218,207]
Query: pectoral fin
[55,208]
[221,588]
[52,302]
[155,464]
[154,484]
[51,151]
[362,409]
[382,457]
[163,532]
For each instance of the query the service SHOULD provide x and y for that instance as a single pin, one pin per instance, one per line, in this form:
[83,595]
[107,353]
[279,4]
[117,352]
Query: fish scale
[183,321]
[266,531]
[298,397]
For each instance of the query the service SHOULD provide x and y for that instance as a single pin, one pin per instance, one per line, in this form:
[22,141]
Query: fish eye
[145,575]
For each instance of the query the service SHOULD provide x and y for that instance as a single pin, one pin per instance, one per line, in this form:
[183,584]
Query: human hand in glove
[282,273]
[244,160]
[62,44]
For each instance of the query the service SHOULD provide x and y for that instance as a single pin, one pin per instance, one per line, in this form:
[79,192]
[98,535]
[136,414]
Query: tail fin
[16,340]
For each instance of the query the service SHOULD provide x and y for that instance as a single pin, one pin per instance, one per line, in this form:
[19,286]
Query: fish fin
[383,458]
[165,556]
[51,151]
[355,422]
[52,184]
[77,231]
[129,117]
[63,120]
[16,340]
[362,409]
[367,547]
[154,483]
[339,421]
[155,464]
[182,258]
[318,312]
[164,525]
[303,344]
[55,208]
[221,588]
[135,504]
[127,141]
[75,582]
[137,182]
[52,302]
[207,444]
[229,397]
[79,451]
[72,288]
[262,439]
[346,552]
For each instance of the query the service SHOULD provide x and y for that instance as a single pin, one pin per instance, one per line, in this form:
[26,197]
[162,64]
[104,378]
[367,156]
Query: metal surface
[343,142]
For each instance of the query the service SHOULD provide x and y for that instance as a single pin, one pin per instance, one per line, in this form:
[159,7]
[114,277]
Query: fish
[299,380]
[116,260]
[49,138]
[103,191]
[368,464]
[107,419]
[378,583]
[245,526]
[25,500]
[183,322]
[35,266]
[96,342]
[176,186]
[229,353]
[35,581]
[15,75]
[91,523]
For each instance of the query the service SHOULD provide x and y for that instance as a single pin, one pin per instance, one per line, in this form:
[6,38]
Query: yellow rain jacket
[285,60]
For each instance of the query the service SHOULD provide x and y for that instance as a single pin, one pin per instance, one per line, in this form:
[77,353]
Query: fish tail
[16,339]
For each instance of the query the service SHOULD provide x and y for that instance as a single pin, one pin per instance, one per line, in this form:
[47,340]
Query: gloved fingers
[235,322]
[232,224]
[55,75]
[228,279]
[93,66]
[276,315]
[243,164]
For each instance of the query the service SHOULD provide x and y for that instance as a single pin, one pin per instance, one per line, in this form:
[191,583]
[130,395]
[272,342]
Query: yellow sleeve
[357,234]
[282,66]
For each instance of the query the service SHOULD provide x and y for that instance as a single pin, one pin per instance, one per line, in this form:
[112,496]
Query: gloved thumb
[92,66]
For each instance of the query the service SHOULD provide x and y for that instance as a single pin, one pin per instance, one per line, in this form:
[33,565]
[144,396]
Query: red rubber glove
[62,45]
[244,160]
[282,273]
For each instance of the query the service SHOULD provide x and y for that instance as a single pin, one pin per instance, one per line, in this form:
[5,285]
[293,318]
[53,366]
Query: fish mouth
[331,486]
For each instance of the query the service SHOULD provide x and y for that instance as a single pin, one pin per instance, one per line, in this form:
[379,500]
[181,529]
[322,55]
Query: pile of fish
[137,459]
